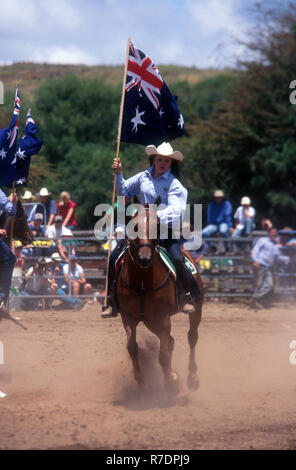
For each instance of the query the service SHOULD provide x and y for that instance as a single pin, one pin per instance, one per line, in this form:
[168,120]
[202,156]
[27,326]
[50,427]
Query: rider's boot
[191,288]
[111,309]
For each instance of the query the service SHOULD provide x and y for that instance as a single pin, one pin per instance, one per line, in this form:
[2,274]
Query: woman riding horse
[7,258]
[160,180]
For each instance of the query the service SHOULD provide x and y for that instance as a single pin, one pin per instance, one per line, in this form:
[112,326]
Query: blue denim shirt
[167,186]
[6,205]
[219,213]
[266,252]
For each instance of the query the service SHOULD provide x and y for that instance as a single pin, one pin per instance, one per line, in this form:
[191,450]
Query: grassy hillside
[30,75]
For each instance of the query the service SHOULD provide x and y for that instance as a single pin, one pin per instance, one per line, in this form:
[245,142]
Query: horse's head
[146,229]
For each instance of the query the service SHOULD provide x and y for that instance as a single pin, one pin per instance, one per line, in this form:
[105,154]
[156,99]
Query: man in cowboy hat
[29,208]
[48,205]
[7,258]
[161,180]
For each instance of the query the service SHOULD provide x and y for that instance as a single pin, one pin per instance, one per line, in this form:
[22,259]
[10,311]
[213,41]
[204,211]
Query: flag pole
[117,155]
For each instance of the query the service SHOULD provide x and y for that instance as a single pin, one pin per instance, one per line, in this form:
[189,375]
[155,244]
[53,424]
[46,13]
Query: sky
[199,33]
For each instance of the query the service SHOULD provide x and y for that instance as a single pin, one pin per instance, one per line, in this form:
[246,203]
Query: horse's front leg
[194,319]
[130,327]
[165,356]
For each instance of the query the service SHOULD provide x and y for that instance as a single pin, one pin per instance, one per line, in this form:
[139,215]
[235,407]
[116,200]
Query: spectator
[20,257]
[244,220]
[265,254]
[57,231]
[36,226]
[49,205]
[66,208]
[265,224]
[218,216]
[74,275]
[29,209]
[36,283]
[58,285]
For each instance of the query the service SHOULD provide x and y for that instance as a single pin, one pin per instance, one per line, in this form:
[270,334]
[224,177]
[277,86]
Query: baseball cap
[56,257]
[38,216]
[58,218]
[218,193]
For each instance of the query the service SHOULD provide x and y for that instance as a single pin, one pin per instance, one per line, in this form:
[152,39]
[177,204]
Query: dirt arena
[69,385]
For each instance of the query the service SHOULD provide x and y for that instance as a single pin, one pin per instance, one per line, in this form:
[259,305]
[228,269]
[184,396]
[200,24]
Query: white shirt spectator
[76,272]
[241,216]
[53,232]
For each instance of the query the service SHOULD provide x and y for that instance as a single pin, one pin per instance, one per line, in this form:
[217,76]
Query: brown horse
[16,226]
[146,292]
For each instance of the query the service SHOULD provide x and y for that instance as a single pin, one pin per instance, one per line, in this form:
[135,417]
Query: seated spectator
[20,257]
[265,254]
[58,285]
[244,221]
[49,205]
[66,208]
[218,216]
[74,275]
[29,208]
[57,231]
[36,283]
[36,226]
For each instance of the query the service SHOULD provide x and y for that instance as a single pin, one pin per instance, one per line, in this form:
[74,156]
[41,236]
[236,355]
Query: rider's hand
[256,265]
[3,232]
[13,198]
[117,166]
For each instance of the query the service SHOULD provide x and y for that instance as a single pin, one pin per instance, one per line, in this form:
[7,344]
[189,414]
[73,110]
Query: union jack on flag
[150,114]
[144,75]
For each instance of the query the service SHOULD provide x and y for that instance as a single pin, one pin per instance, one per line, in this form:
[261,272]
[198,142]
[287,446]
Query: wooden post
[117,155]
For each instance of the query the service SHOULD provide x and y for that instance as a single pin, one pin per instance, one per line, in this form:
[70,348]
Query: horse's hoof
[193,381]
[172,383]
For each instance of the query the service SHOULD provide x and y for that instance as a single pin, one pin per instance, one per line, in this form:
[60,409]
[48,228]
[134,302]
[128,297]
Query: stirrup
[190,305]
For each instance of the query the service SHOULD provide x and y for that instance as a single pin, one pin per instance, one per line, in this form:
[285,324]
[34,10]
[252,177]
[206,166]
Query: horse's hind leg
[130,327]
[194,319]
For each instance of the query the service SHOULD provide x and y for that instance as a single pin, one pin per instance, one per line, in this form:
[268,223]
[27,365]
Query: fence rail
[224,275]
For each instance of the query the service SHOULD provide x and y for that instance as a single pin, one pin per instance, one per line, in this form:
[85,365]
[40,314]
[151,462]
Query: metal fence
[225,275]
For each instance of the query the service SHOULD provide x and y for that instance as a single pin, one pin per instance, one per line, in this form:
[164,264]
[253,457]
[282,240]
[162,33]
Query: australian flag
[150,114]
[8,143]
[27,146]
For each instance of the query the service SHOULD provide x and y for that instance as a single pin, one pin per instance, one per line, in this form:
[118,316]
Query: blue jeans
[69,301]
[27,303]
[7,262]
[211,230]
[263,282]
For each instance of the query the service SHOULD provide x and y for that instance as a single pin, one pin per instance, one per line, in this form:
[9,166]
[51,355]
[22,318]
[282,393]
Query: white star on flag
[181,121]
[20,154]
[137,119]
[9,135]
[22,181]
[3,154]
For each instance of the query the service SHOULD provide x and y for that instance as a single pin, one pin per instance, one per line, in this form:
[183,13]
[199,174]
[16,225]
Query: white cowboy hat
[245,201]
[165,150]
[218,193]
[28,195]
[44,192]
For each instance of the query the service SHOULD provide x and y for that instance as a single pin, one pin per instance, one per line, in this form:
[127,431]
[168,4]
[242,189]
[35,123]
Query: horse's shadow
[152,394]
